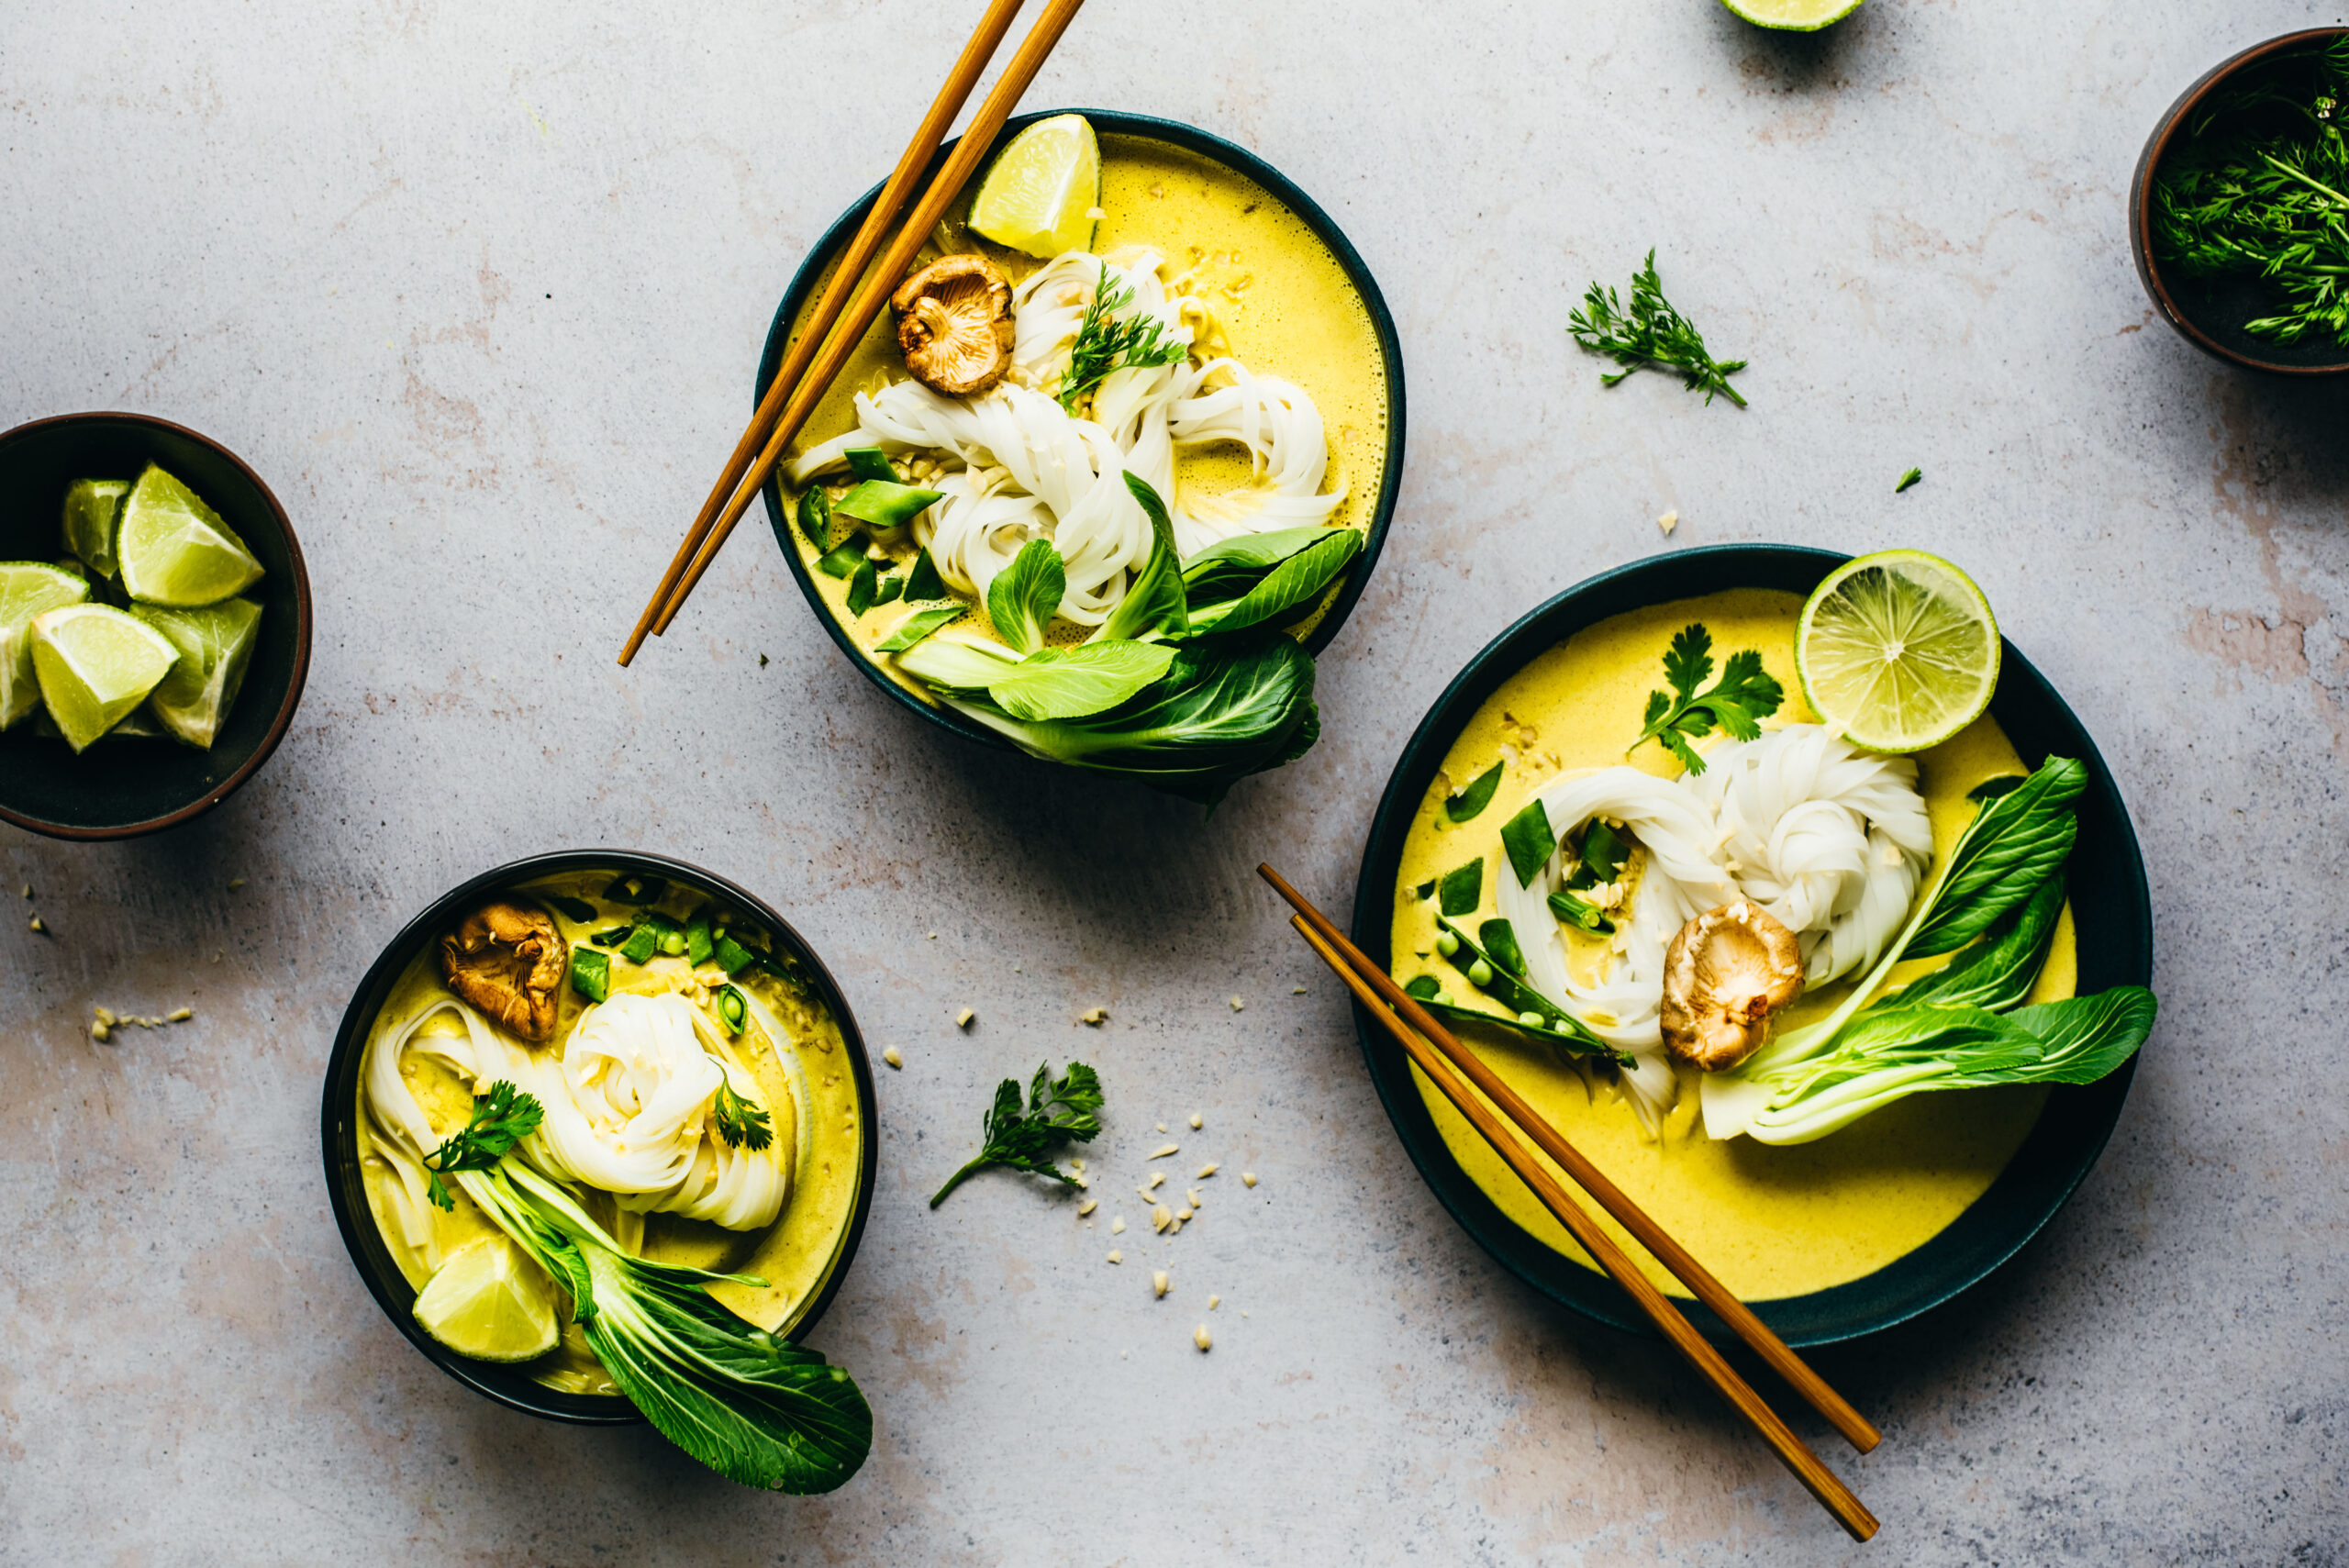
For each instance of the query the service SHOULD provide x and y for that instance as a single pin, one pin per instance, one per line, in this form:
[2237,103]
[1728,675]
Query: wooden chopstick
[1823,1483]
[976,140]
[1724,1304]
[859,255]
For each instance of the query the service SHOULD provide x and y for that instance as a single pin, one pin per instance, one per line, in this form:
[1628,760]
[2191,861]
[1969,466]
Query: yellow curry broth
[804,1081]
[1285,306]
[1769,1221]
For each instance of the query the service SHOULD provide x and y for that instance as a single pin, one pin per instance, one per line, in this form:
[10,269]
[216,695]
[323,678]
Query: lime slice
[1793,15]
[216,644]
[26,588]
[490,1303]
[175,549]
[92,509]
[95,663]
[1897,650]
[1041,192]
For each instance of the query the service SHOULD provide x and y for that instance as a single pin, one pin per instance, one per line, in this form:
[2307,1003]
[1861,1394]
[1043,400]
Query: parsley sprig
[1063,1110]
[501,1118]
[1651,333]
[1104,345]
[1744,696]
[742,1122]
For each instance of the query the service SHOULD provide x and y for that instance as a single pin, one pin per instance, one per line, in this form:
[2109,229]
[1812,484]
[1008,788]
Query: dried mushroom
[1728,971]
[509,960]
[954,325]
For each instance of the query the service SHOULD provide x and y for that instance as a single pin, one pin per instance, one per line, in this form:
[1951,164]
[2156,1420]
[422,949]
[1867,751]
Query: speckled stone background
[479,290]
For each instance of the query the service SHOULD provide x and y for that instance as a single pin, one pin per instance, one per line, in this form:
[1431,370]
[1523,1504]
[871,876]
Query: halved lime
[1793,15]
[1897,650]
[95,663]
[1041,193]
[489,1301]
[26,588]
[175,549]
[216,644]
[92,509]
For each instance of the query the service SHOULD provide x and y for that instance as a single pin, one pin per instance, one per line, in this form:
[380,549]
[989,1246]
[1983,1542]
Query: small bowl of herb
[2239,212]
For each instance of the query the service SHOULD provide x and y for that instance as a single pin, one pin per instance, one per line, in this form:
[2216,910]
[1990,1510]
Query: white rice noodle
[626,1107]
[1029,470]
[1677,880]
[1830,840]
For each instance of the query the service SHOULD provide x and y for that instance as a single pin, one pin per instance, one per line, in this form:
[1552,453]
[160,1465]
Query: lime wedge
[26,588]
[215,644]
[92,509]
[1793,15]
[95,663]
[1041,192]
[175,549]
[489,1301]
[1897,650]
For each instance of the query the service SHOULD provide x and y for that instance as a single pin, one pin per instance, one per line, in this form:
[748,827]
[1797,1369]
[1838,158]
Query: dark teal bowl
[2112,909]
[1190,138]
[120,788]
[339,1133]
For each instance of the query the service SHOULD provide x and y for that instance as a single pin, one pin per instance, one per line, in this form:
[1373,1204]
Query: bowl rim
[338,1128]
[1190,138]
[2086,1114]
[2140,201]
[302,627]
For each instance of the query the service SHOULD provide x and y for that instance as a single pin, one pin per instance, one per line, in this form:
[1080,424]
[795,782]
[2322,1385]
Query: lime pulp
[92,506]
[1897,650]
[1044,191]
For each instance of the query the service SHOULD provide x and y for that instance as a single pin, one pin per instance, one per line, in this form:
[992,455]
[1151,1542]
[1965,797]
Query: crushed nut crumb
[1296,990]
[1214,1302]
[235,882]
[28,890]
[1088,1207]
[1096,1017]
[1209,1169]
[1181,1215]
[1196,1122]
[1668,522]
[1237,1004]
[892,1058]
[1192,1198]
[1161,1216]
[1162,1154]
[1116,1257]
[35,924]
[1157,1180]
[1248,1177]
[179,1015]
[1199,1338]
[963,1020]
[1118,1225]
[99,1030]
[1158,1281]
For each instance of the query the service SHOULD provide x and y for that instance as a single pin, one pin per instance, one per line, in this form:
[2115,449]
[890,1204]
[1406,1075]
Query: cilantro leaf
[1063,1111]
[1738,702]
[501,1118]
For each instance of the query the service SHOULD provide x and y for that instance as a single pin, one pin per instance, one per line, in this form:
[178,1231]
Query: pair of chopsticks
[1447,1062]
[814,363]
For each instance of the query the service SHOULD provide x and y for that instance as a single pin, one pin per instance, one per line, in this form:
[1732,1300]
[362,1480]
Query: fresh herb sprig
[2268,196]
[1060,1110]
[1744,696]
[1104,345]
[501,1118]
[742,1122]
[1651,333]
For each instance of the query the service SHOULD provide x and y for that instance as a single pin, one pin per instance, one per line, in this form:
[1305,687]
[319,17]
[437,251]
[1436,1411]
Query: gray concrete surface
[479,290]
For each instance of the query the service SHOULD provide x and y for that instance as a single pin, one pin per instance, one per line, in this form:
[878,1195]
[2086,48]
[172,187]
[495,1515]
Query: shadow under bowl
[2112,912]
[2210,313]
[123,787]
[808,281]
[337,1121]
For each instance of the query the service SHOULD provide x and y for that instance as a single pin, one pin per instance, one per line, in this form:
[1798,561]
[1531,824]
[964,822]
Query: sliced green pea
[816,516]
[885,505]
[843,560]
[591,973]
[733,1008]
[871,462]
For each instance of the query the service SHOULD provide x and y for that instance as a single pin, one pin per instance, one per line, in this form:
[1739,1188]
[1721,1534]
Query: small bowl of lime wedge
[154,625]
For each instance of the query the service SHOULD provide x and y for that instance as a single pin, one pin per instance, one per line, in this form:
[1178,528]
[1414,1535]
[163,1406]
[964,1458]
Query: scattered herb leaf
[1059,1111]
[1652,333]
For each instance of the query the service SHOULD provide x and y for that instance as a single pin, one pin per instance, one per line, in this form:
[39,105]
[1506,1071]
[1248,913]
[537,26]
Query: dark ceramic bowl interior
[122,787]
[1206,145]
[2109,902]
[2210,312]
[338,1130]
